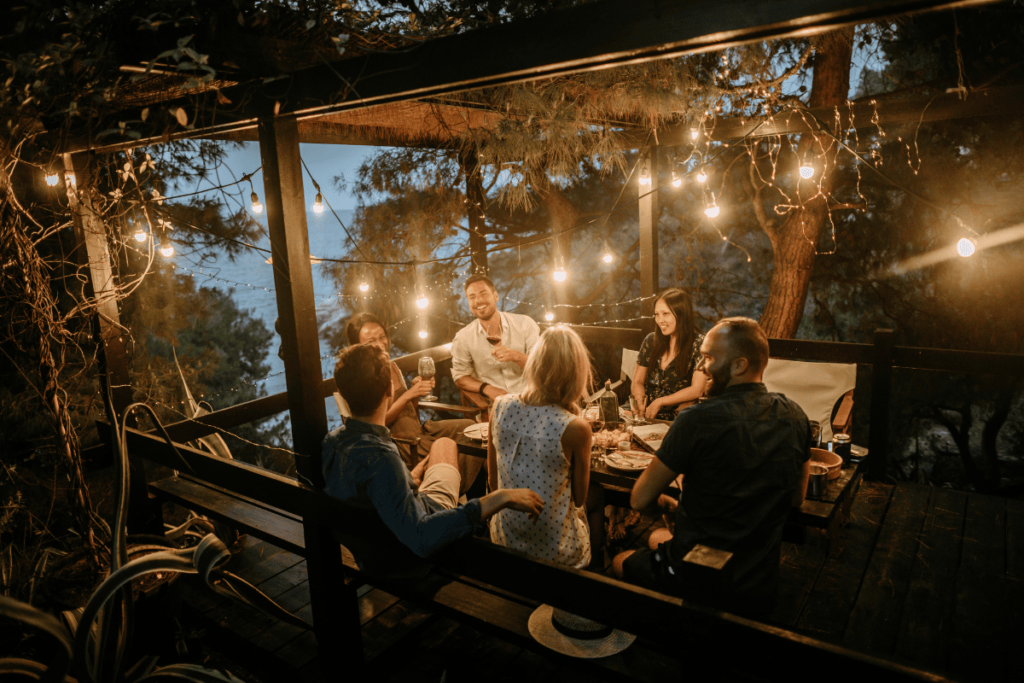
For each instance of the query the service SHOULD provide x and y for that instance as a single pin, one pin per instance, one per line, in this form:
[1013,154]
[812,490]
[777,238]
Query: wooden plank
[626,337]
[799,569]
[875,618]
[978,644]
[928,612]
[600,34]
[393,627]
[832,597]
[650,283]
[951,360]
[826,352]
[881,390]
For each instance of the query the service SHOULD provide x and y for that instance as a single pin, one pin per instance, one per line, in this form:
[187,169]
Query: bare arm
[687,395]
[576,442]
[418,390]
[472,385]
[801,488]
[652,482]
[637,386]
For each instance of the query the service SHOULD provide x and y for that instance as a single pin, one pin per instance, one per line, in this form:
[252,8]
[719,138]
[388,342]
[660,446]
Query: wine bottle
[609,403]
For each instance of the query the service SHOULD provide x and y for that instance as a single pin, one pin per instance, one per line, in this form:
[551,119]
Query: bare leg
[657,537]
[616,569]
[595,518]
[443,452]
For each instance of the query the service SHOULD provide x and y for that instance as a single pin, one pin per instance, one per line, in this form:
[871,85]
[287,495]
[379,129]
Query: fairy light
[607,257]
[52,179]
[256,206]
[966,247]
[318,205]
[676,180]
[140,234]
[560,275]
[422,301]
[645,180]
[549,316]
[712,210]
[702,176]
[423,334]
[694,133]
[364,287]
[806,171]
[166,248]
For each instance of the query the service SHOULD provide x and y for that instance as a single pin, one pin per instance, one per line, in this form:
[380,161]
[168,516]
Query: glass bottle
[609,403]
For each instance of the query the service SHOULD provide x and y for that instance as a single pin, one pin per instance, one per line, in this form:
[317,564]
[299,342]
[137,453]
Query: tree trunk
[795,238]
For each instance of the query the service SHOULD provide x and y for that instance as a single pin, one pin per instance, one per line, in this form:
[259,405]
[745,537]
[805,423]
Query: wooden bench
[496,589]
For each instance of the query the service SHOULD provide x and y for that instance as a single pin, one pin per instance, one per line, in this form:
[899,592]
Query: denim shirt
[397,527]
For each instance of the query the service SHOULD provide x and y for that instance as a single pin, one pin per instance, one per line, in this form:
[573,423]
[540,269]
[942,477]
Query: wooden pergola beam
[597,35]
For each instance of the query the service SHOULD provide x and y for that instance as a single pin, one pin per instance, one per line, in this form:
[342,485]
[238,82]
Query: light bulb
[645,178]
[422,302]
[966,247]
[318,205]
[701,176]
[676,180]
[140,235]
[694,133]
[560,274]
[423,334]
[256,206]
[166,249]
[52,179]
[364,287]
[607,258]
[549,316]
[806,171]
[712,210]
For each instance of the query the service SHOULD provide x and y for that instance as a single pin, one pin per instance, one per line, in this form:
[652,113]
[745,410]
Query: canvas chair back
[816,387]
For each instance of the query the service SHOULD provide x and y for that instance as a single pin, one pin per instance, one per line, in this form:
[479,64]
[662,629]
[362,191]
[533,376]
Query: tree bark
[795,238]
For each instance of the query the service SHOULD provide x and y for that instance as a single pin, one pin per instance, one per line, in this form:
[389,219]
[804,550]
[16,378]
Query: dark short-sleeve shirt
[741,453]
[397,528]
[666,382]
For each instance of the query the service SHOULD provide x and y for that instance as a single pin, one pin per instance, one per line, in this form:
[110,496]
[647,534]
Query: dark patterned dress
[660,383]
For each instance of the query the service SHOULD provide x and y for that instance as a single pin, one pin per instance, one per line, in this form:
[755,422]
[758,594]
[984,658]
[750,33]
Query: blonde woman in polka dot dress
[539,441]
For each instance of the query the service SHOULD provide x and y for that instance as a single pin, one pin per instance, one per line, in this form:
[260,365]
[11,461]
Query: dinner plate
[650,435]
[628,461]
[477,431]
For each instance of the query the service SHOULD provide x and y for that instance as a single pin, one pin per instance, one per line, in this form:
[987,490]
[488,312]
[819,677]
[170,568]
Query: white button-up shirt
[471,352]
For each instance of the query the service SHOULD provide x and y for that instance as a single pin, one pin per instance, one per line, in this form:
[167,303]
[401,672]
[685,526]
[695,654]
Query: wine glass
[592,414]
[427,371]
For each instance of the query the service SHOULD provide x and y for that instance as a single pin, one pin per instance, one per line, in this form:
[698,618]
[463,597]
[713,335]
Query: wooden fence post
[335,610]
[93,256]
[649,210]
[881,391]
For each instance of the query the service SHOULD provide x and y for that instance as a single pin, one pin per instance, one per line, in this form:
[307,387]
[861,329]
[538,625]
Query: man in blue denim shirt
[398,526]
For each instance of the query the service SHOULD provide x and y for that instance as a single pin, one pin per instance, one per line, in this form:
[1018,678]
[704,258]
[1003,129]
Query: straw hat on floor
[575,636]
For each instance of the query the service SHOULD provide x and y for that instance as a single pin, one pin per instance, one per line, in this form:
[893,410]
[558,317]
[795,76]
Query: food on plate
[609,438]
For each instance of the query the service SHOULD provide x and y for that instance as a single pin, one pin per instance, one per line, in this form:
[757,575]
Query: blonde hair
[558,370]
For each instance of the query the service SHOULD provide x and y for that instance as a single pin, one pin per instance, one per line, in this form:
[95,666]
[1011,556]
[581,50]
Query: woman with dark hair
[666,377]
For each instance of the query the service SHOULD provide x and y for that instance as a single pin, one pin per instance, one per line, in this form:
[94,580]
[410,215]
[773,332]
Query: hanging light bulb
[422,301]
[966,247]
[645,178]
[140,234]
[560,274]
[702,176]
[806,169]
[694,133]
[256,206]
[676,180]
[166,248]
[52,179]
[549,316]
[318,205]
[712,210]
[607,258]
[364,287]
[423,334]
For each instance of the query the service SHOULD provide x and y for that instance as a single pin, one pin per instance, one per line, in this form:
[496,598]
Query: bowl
[827,459]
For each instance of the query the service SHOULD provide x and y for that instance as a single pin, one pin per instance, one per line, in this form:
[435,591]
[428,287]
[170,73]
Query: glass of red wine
[427,371]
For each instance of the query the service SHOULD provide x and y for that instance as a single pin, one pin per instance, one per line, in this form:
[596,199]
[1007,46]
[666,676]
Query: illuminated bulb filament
[712,210]
[364,287]
[423,334]
[256,206]
[422,302]
[966,247]
[52,179]
[167,250]
[806,171]
[701,176]
[607,258]
[645,178]
[549,316]
[140,235]
[676,180]
[318,205]
[693,133]
[560,274]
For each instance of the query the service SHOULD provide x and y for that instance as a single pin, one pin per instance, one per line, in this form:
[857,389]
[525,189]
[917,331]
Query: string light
[701,175]
[422,301]
[676,180]
[549,316]
[52,179]
[256,206]
[560,274]
[966,247]
[364,287]
[607,257]
[694,133]
[166,248]
[806,170]
[318,205]
[712,210]
[645,178]
[423,334]
[140,234]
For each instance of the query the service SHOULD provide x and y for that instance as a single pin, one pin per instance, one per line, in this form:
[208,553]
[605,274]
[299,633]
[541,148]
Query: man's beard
[719,381]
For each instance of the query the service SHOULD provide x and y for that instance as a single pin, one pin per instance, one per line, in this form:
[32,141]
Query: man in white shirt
[489,354]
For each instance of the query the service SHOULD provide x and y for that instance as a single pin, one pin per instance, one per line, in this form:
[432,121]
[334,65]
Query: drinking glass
[427,371]
[592,414]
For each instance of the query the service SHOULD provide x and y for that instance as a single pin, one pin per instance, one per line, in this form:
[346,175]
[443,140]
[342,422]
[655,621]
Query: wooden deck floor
[928,577]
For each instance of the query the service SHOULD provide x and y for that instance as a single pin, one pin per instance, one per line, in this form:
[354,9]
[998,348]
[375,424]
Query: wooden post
[649,211]
[881,391]
[475,212]
[335,611]
[94,257]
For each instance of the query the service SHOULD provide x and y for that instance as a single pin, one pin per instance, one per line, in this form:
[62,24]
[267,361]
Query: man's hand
[525,500]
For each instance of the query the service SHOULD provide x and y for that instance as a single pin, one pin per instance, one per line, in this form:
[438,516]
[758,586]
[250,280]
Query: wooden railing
[882,356]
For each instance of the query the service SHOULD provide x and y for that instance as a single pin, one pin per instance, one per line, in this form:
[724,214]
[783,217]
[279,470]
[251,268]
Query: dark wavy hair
[681,306]
[356,323]
[363,376]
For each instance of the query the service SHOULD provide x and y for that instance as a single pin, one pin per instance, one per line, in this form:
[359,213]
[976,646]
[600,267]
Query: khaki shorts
[441,486]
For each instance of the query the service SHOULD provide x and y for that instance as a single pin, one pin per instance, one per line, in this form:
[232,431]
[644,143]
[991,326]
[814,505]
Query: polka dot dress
[529,455]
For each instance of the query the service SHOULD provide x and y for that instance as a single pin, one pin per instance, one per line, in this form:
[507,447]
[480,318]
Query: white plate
[628,461]
[640,434]
[477,431]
